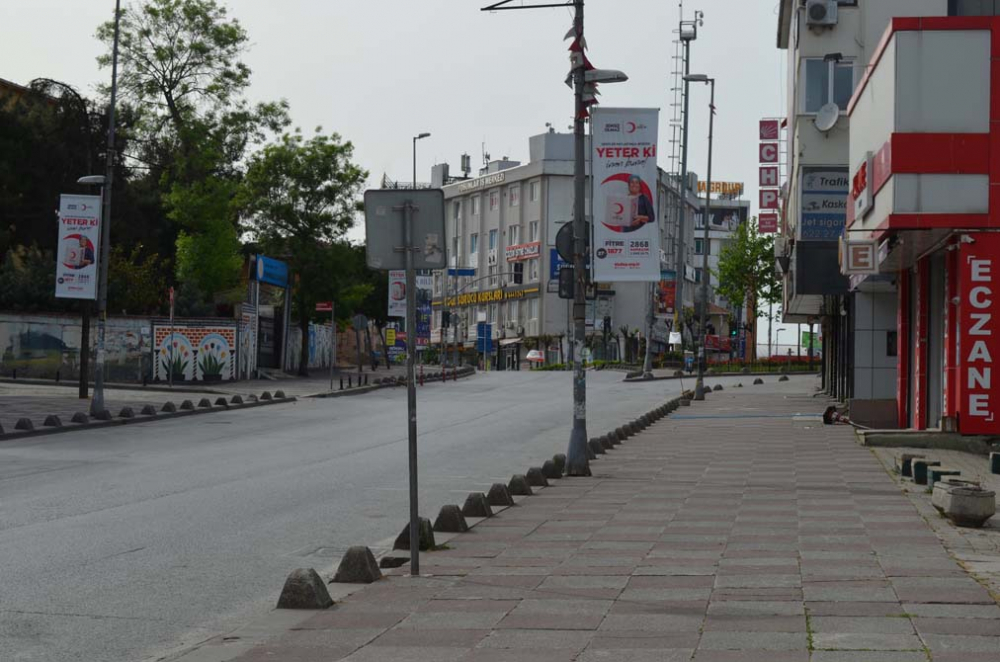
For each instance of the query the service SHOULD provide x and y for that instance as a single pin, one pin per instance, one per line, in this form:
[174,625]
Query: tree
[136,283]
[298,200]
[747,273]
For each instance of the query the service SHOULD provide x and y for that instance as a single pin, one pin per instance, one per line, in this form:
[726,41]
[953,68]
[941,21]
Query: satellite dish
[827,117]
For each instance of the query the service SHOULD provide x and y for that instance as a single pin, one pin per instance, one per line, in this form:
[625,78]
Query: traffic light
[733,331]
[566,283]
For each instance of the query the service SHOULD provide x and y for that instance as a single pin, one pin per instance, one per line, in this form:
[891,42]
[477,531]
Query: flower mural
[214,358]
[194,353]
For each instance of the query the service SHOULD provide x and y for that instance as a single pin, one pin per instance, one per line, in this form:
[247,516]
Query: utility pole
[688,32]
[97,404]
[699,389]
[577,463]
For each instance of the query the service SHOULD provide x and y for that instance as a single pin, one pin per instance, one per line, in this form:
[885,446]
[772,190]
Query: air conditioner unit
[821,12]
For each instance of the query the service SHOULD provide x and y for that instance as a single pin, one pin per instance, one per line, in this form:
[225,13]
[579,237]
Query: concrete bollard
[905,464]
[560,461]
[80,417]
[104,415]
[740,385]
[304,589]
[148,410]
[476,505]
[222,402]
[204,403]
[357,567]
[995,463]
[758,381]
[596,447]
[783,378]
[519,486]
[685,402]
[126,412]
[591,455]
[920,470]
[280,395]
[187,405]
[499,495]
[620,434]
[613,438]
[934,474]
[236,400]
[451,520]
[266,395]
[341,383]
[252,398]
[678,373]
[535,477]
[718,387]
[426,536]
[549,470]
[52,421]
[168,407]
[605,441]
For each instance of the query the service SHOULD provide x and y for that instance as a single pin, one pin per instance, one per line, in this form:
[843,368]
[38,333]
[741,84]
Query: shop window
[473,243]
[973,7]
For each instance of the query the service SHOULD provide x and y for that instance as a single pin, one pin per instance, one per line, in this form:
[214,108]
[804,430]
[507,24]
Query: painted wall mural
[195,352]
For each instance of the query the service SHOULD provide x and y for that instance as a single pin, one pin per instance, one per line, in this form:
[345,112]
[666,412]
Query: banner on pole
[397,293]
[78,250]
[626,231]
[425,294]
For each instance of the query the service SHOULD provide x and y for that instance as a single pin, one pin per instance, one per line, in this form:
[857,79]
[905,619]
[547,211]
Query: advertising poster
[397,293]
[79,238]
[723,218]
[666,293]
[824,203]
[626,233]
[425,293]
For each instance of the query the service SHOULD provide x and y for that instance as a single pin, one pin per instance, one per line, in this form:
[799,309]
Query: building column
[920,358]
[950,378]
[903,352]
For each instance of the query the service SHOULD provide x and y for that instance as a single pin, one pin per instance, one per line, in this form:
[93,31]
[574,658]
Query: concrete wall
[874,369]
[40,346]
[320,339]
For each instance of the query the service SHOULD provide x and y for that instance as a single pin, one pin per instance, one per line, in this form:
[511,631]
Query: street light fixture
[699,389]
[417,137]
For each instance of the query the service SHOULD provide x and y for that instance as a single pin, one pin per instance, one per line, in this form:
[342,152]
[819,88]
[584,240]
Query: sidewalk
[732,531]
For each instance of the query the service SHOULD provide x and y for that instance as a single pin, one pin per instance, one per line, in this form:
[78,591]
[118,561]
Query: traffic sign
[324,307]
[462,272]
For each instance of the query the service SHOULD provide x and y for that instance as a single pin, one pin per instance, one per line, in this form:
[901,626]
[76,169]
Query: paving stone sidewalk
[732,531]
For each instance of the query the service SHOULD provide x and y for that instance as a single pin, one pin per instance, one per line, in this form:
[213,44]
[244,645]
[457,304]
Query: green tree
[136,283]
[747,274]
[27,280]
[298,201]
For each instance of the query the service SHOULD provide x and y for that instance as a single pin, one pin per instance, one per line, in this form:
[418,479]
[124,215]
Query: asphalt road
[122,544]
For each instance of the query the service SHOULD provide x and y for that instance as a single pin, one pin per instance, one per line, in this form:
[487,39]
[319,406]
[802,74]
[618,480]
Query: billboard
[397,293]
[666,293]
[824,203]
[626,233]
[723,218]
[77,252]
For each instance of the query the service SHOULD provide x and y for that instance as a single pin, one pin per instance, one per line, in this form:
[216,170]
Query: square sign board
[384,228]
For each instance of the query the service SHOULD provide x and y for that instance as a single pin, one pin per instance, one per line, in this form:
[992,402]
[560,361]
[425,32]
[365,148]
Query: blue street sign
[484,338]
[462,272]
[269,270]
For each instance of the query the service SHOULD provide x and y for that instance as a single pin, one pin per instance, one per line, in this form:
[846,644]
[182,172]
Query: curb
[160,416]
[640,380]
[361,390]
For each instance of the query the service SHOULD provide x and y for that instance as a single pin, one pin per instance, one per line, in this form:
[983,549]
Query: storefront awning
[509,341]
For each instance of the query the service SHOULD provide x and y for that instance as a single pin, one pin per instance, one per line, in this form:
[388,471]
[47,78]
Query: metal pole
[97,404]
[811,351]
[577,463]
[333,343]
[411,388]
[171,370]
[699,389]
[647,364]
[679,271]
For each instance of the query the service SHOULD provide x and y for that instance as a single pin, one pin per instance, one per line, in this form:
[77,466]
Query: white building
[505,221]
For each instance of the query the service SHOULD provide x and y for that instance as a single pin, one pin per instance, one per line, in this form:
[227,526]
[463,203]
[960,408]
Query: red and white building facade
[925,173]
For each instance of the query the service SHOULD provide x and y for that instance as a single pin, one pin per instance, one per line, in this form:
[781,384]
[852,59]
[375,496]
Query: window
[493,240]
[493,275]
[475,205]
[533,231]
[494,199]
[515,235]
[972,7]
[697,275]
[437,283]
[473,243]
[533,191]
[491,314]
[514,195]
[533,270]
[699,245]
[454,248]
[532,309]
[457,209]
[514,312]
[826,82]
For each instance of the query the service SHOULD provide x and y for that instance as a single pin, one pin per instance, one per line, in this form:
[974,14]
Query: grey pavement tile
[755,624]
[538,621]
[972,596]
[671,581]
[408,653]
[639,639]
[651,622]
[965,657]
[866,641]
[836,593]
[426,637]
[334,638]
[952,610]
[567,640]
[758,581]
[665,594]
[502,606]
[474,620]
[755,608]
[869,656]
[861,624]
[961,626]
[770,641]
[341,617]
[636,655]
[944,643]
[285,653]
[516,655]
[855,609]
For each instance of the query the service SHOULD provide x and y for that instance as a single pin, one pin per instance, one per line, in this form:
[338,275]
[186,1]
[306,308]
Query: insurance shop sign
[77,253]
[626,232]
[824,203]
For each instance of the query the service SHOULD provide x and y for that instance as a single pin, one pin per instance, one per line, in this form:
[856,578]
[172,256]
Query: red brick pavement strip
[724,503]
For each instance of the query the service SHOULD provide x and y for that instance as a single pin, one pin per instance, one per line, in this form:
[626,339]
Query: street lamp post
[412,333]
[777,340]
[688,33]
[699,389]
[97,404]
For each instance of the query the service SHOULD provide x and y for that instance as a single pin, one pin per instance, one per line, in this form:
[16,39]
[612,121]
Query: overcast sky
[379,72]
